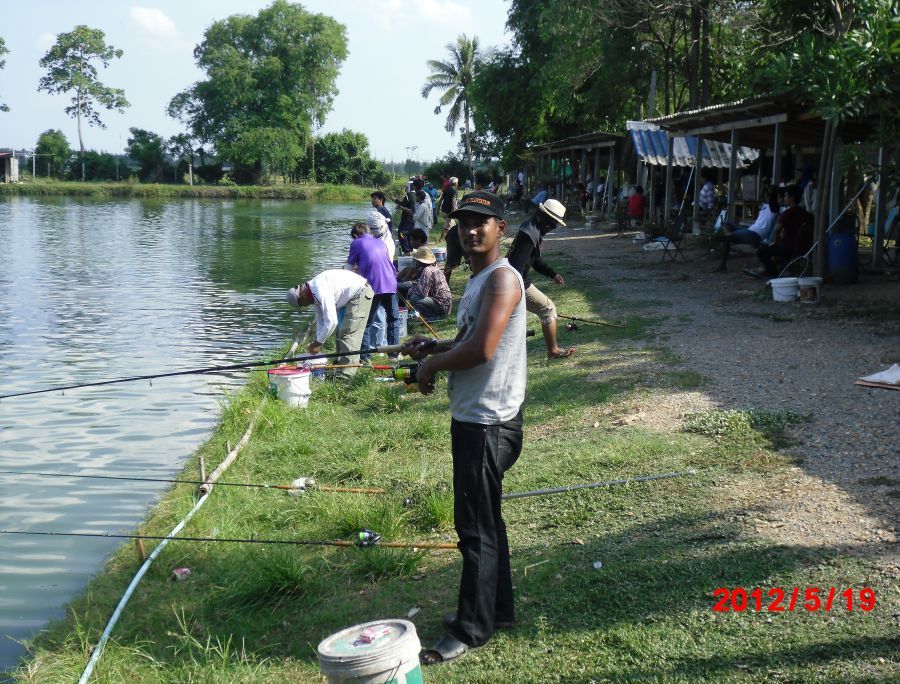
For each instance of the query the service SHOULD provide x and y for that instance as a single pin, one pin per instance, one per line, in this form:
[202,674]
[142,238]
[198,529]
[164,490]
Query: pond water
[99,289]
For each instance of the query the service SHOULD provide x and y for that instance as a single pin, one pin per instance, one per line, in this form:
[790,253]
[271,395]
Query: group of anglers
[486,368]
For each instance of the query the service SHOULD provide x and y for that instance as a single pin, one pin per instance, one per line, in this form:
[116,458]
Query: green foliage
[53,150]
[269,79]
[3,51]
[343,158]
[149,150]
[739,424]
[71,65]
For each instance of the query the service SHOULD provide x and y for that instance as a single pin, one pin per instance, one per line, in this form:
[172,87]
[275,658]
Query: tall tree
[53,149]
[270,78]
[181,147]
[454,77]
[71,65]
[3,51]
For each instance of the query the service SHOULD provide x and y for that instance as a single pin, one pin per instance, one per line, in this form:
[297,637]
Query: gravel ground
[845,489]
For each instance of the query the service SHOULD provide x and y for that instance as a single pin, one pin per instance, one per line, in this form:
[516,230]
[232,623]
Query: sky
[380,82]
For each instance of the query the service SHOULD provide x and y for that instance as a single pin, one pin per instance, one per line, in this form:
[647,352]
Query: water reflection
[97,289]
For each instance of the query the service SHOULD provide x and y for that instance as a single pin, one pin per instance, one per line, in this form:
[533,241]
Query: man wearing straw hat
[327,292]
[427,288]
[524,254]
[486,385]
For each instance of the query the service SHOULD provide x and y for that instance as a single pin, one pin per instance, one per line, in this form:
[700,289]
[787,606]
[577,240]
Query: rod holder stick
[141,551]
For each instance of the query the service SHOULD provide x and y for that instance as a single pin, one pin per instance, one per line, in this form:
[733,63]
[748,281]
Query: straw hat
[425,255]
[554,210]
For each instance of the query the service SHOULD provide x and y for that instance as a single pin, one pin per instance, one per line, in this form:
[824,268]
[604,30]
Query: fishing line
[286,487]
[587,320]
[387,349]
[230,540]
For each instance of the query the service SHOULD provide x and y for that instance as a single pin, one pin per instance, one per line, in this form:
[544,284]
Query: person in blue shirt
[540,196]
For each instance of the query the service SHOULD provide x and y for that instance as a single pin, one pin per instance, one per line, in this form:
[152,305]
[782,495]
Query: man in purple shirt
[369,257]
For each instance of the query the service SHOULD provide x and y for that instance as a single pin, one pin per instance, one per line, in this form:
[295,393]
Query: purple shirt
[370,256]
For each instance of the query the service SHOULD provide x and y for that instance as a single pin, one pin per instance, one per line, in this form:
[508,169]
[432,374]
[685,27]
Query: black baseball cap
[480,202]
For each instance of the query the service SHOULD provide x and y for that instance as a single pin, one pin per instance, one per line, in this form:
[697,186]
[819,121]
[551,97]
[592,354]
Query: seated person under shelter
[637,205]
[755,234]
[427,290]
[792,236]
[540,196]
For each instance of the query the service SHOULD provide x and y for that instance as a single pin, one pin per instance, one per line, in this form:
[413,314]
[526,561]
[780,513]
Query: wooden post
[202,469]
[139,548]
[610,181]
[698,182]
[652,194]
[594,205]
[732,175]
[776,154]
[670,160]
[880,212]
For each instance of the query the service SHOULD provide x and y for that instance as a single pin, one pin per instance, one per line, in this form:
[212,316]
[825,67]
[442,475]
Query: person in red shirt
[637,204]
[793,236]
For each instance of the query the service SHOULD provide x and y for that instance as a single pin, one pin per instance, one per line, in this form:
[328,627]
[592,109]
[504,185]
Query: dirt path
[844,491]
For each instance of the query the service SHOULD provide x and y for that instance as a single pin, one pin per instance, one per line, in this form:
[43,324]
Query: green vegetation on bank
[322,193]
[254,613]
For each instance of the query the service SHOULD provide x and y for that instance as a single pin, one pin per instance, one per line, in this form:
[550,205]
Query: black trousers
[481,455]
[768,254]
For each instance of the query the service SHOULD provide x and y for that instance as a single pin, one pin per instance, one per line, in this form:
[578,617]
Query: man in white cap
[327,292]
[524,254]
[378,227]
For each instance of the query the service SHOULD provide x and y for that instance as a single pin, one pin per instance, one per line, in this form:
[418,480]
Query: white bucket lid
[349,653]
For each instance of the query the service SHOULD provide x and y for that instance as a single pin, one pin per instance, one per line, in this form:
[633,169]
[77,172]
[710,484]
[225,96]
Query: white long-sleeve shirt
[423,217]
[331,290]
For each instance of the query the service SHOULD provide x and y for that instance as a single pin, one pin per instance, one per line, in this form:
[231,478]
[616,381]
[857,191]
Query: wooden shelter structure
[588,155]
[9,168]
[772,123]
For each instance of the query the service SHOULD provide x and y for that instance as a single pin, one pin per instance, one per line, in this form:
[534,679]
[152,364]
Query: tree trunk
[823,186]
[694,56]
[469,144]
[704,54]
[80,141]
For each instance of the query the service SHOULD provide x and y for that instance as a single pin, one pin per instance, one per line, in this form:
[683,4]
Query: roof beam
[733,125]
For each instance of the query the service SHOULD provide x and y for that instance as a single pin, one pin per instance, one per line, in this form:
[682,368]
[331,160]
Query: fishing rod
[298,485]
[583,320]
[366,538]
[385,349]
[416,311]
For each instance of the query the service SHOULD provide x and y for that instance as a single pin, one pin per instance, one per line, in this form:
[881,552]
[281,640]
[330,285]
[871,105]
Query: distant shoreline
[324,192]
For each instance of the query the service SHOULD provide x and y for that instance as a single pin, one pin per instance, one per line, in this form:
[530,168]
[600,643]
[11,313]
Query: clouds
[158,31]
[396,15]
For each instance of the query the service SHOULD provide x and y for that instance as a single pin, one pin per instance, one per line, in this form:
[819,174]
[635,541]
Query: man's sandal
[562,353]
[447,648]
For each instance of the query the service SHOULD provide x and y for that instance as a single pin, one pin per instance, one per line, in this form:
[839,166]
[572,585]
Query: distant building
[9,168]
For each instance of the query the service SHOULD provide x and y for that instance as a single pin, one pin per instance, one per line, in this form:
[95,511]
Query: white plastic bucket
[404,262]
[404,328]
[810,290]
[784,289]
[379,652]
[291,385]
[440,253]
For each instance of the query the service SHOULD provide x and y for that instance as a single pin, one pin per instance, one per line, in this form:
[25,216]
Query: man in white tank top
[487,366]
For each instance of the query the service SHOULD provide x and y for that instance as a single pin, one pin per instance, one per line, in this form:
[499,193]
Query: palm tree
[455,77]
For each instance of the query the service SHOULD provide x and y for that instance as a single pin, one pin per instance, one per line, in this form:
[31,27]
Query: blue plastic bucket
[379,652]
[843,264]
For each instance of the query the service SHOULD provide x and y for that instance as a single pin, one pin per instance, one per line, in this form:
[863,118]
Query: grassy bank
[321,193]
[255,613]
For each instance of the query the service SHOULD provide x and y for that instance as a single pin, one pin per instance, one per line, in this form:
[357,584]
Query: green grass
[321,193]
[254,613]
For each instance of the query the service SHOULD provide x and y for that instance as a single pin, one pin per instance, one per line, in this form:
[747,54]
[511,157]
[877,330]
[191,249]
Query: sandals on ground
[562,353]
[447,648]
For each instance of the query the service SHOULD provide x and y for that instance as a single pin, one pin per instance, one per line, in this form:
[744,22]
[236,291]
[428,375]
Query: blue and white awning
[652,146]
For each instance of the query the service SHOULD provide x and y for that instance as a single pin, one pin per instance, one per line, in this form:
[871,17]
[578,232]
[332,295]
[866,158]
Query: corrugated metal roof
[652,145]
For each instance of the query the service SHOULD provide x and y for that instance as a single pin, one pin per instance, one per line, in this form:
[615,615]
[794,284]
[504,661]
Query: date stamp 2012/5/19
[779,600]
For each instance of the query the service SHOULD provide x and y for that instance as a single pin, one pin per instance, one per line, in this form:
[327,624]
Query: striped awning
[652,146]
